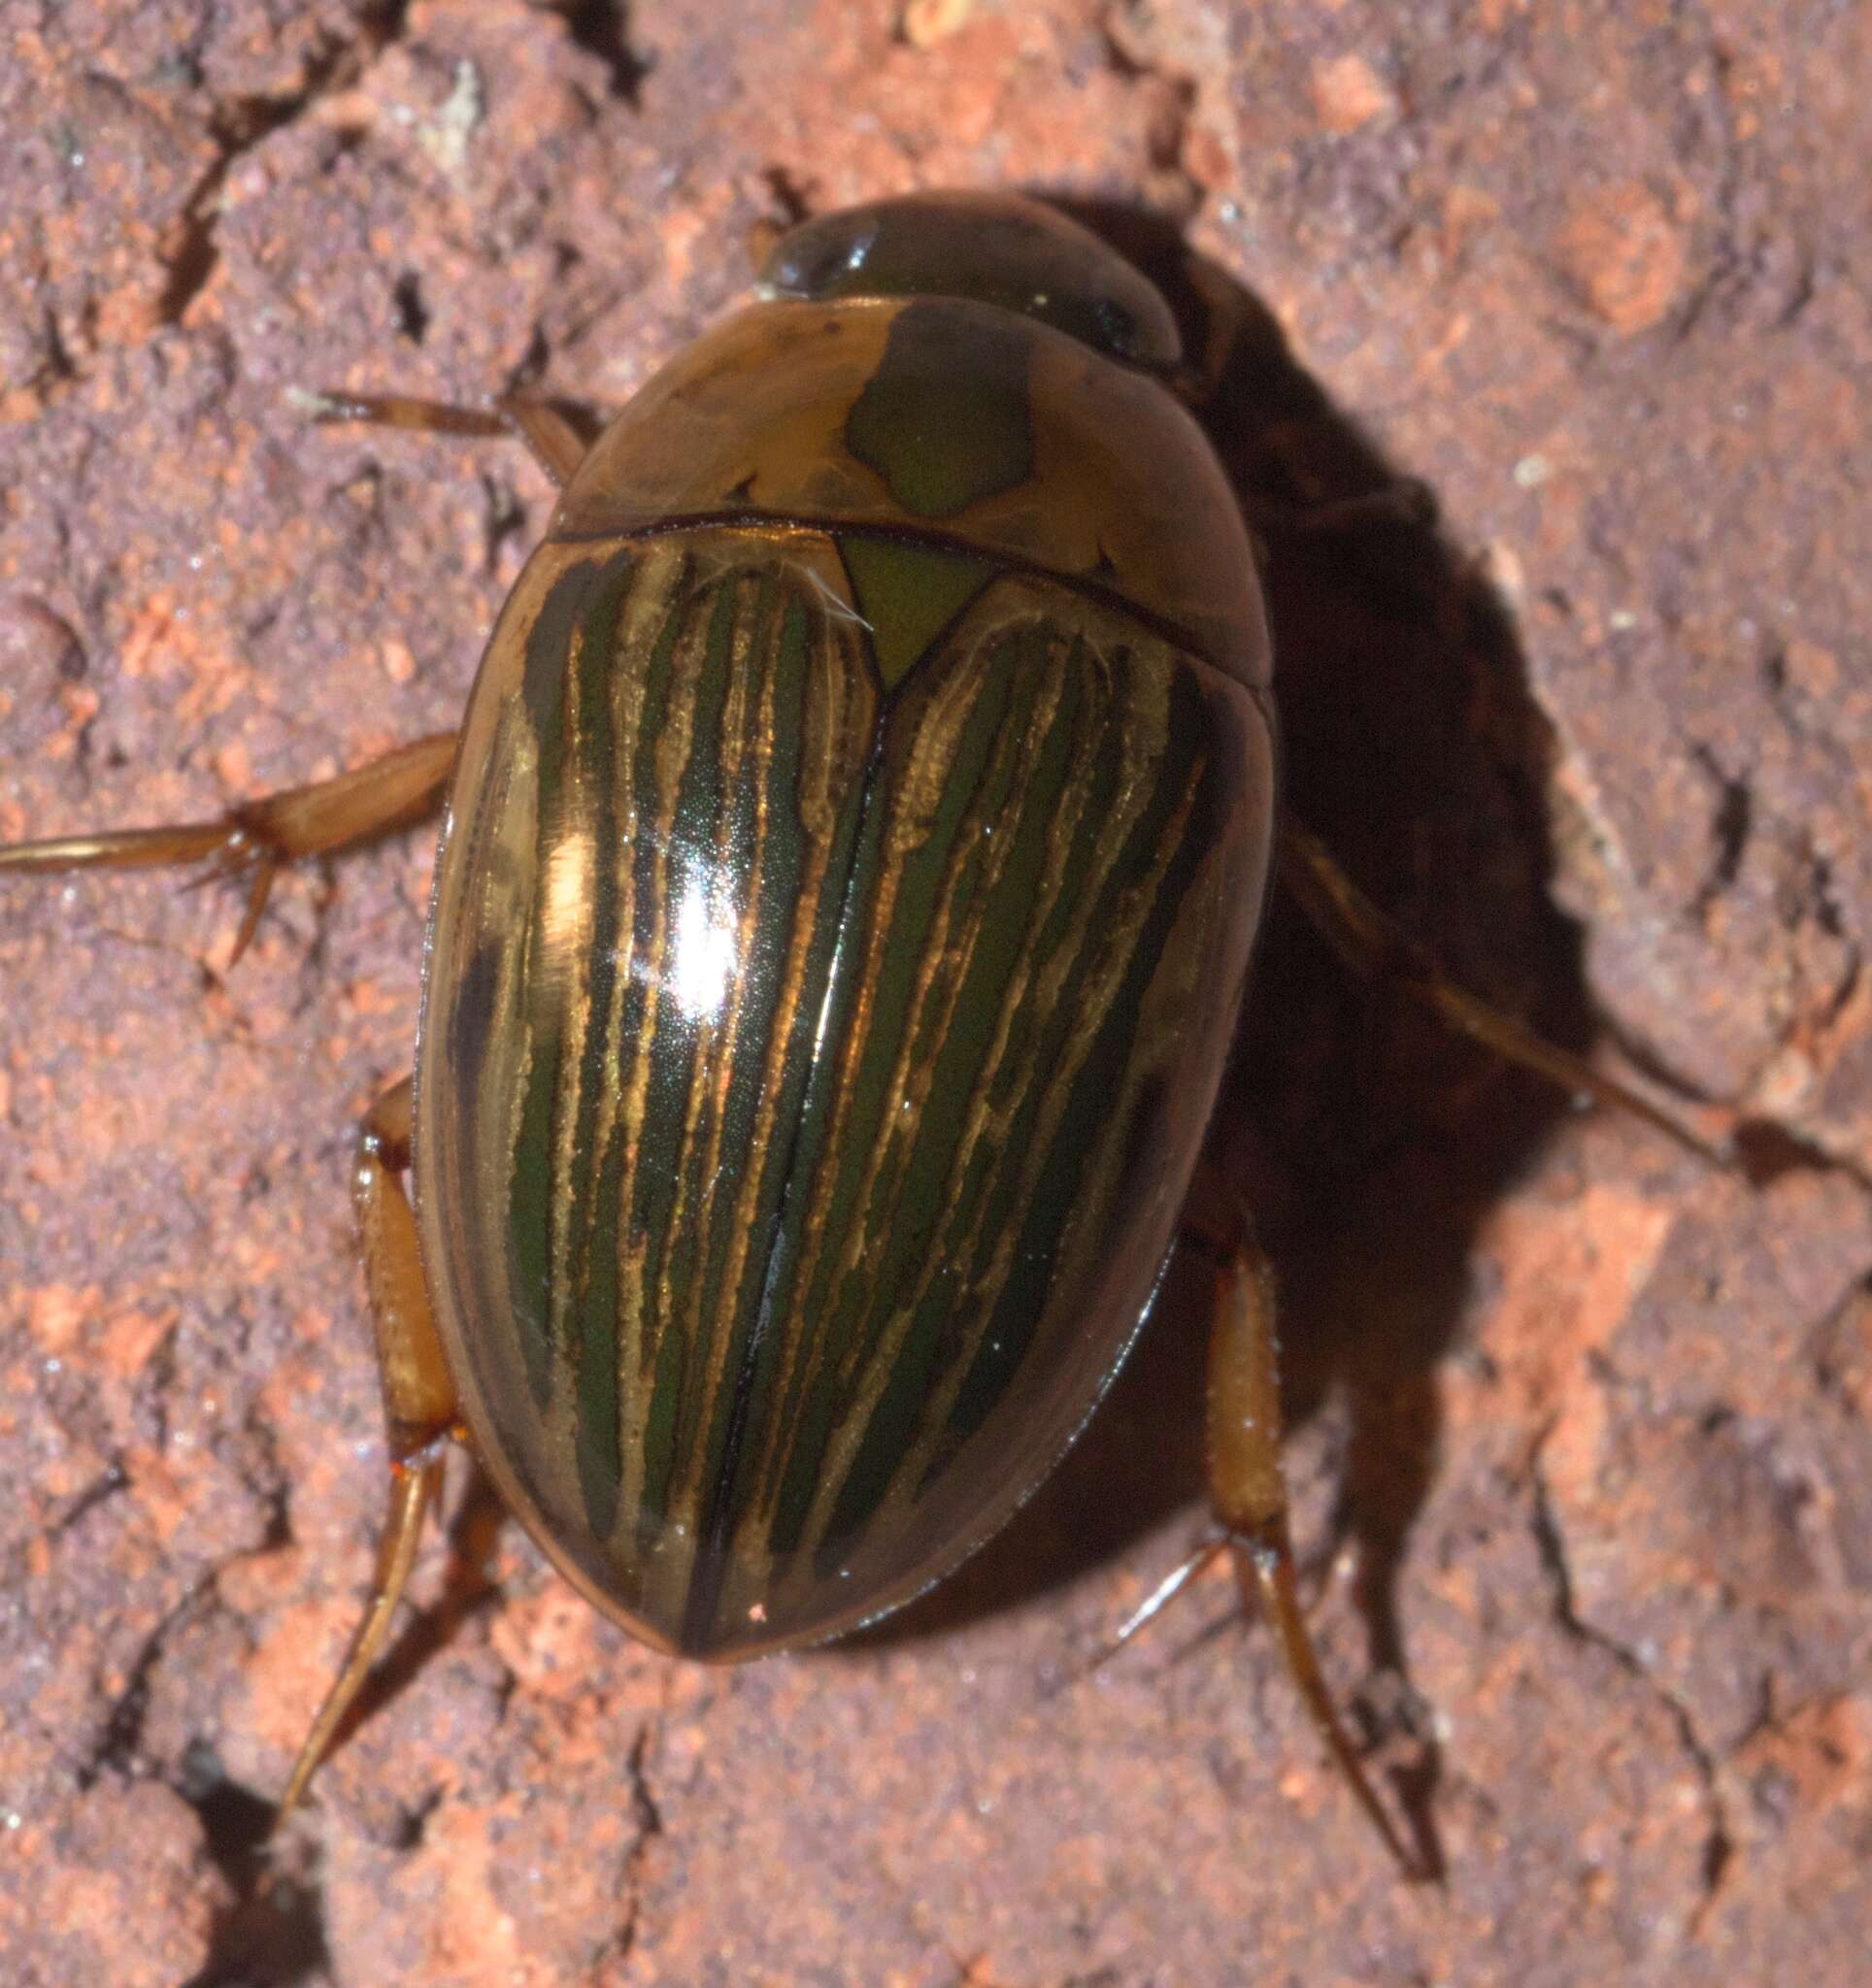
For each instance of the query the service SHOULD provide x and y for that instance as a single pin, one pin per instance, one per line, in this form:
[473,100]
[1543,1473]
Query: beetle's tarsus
[124,848]
[255,840]
[265,868]
[420,1409]
[1265,1570]
[412,1489]
[328,405]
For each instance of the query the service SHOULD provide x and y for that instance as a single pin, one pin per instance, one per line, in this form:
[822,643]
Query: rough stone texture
[1588,1422]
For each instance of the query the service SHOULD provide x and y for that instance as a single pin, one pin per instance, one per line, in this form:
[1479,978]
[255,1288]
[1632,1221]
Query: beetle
[851,860]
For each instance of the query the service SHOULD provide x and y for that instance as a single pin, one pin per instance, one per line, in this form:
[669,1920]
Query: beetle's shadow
[1370,1138]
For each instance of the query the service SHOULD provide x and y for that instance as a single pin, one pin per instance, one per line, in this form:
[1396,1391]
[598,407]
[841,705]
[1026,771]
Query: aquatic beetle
[852,855]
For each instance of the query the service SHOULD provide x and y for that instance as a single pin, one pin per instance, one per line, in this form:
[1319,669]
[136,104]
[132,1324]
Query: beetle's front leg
[256,838]
[555,444]
[1247,1482]
[420,1411]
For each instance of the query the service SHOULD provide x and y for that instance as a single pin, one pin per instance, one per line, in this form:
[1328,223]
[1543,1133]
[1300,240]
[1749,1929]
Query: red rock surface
[1582,1465]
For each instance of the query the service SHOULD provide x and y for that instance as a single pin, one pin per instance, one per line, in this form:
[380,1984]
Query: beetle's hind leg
[556,445]
[420,1411]
[256,838]
[1247,1483]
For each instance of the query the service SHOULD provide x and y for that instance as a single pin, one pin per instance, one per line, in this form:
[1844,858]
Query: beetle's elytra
[853,852]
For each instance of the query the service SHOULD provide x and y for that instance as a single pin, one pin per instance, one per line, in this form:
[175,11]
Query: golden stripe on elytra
[945,958]
[647,607]
[686,1487]
[819,809]
[735,745]
[709,1039]
[670,757]
[935,749]
[1118,940]
[805,1365]
[943,970]
[840,689]
[714,1075]
[913,808]
[740,746]
[569,962]
[646,602]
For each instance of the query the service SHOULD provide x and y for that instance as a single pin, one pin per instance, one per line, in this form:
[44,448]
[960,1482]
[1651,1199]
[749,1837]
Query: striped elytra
[853,853]
[813,1068]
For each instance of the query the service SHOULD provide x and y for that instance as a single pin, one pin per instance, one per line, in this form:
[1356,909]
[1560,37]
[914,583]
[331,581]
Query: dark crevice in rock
[650,1817]
[1765,1149]
[532,363]
[649,1825]
[1718,1845]
[102,1488]
[602,28]
[1729,829]
[412,314]
[413,1823]
[238,125]
[119,1740]
[1128,54]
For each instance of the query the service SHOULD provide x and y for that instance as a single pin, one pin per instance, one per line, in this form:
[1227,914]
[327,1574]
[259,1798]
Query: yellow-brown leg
[1371,944]
[556,444]
[258,837]
[420,1411]
[1247,1483]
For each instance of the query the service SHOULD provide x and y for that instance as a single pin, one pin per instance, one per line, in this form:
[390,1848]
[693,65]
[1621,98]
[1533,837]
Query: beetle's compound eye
[994,247]
[824,258]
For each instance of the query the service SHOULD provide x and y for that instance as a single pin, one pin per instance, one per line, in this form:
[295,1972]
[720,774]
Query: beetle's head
[994,247]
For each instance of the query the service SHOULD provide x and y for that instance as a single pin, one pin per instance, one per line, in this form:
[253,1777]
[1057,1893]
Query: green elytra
[792,1185]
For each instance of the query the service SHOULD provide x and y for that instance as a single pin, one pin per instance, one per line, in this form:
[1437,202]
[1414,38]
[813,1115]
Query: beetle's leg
[421,1411]
[556,444]
[256,837]
[1226,317]
[1371,944]
[1247,1482]
[1402,502]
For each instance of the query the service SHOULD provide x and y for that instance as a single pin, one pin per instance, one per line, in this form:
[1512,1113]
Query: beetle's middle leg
[1247,1482]
[258,837]
[1372,944]
[421,1411]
